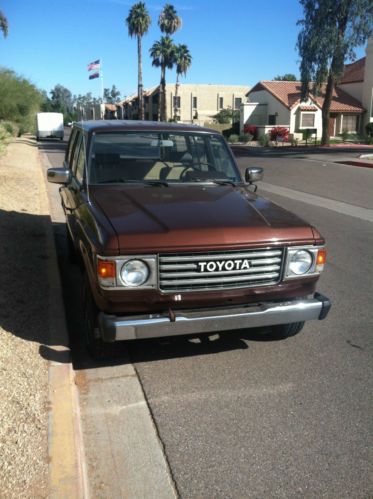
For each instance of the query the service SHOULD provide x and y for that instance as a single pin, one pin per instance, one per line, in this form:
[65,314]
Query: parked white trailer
[49,125]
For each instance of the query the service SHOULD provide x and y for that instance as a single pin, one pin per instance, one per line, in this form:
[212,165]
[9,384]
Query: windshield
[160,158]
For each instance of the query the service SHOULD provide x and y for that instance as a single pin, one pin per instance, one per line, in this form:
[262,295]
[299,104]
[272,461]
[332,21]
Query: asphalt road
[238,416]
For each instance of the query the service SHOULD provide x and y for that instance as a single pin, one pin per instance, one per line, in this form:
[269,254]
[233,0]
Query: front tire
[92,334]
[282,331]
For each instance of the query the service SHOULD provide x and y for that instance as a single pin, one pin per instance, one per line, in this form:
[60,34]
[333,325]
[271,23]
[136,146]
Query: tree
[331,30]
[61,99]
[138,22]
[111,96]
[183,61]
[3,24]
[20,100]
[168,20]
[285,77]
[163,55]
[227,115]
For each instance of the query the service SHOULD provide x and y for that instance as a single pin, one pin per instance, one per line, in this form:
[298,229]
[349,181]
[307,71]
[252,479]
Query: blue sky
[238,42]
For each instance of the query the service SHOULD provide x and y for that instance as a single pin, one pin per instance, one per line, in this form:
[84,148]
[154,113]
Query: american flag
[94,65]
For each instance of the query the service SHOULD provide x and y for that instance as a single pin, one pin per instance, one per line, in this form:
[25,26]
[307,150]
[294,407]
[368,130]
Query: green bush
[344,135]
[264,140]
[233,138]
[369,129]
[20,100]
[245,137]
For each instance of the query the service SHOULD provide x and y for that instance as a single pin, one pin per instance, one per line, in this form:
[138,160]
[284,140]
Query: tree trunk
[139,80]
[326,109]
[176,95]
[163,104]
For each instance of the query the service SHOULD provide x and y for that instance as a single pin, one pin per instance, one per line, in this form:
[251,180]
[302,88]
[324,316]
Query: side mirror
[58,175]
[253,174]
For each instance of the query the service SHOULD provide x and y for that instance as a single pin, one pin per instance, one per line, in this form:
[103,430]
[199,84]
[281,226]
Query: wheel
[283,331]
[71,251]
[92,335]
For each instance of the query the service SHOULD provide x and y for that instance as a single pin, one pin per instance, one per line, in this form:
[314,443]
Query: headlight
[300,262]
[134,273]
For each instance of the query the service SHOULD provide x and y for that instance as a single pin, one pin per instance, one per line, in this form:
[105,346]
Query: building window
[177,101]
[237,102]
[221,102]
[272,119]
[194,102]
[349,123]
[307,120]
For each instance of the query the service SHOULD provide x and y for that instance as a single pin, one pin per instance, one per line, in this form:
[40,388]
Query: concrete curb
[67,467]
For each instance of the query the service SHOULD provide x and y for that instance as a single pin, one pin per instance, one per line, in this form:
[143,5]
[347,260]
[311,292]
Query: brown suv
[173,241]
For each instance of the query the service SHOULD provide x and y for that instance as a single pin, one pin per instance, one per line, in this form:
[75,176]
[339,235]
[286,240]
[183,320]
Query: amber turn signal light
[106,269]
[320,259]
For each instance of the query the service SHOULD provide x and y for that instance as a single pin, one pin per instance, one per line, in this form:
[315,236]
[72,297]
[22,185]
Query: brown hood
[195,217]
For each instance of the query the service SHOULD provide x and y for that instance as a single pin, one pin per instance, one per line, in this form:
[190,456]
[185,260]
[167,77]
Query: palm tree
[168,20]
[3,24]
[138,22]
[183,61]
[163,55]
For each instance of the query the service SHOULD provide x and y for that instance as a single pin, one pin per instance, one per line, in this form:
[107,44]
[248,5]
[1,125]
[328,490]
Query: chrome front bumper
[114,328]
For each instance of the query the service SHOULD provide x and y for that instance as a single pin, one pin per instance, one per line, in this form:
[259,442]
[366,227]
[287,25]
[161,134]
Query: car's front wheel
[282,331]
[92,335]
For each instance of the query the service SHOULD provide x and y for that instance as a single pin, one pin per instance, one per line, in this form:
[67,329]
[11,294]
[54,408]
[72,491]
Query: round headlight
[134,273]
[300,262]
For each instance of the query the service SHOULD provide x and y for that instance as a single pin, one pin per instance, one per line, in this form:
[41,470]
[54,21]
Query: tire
[93,341]
[71,251]
[283,331]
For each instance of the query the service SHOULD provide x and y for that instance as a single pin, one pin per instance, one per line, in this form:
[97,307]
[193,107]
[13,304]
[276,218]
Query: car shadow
[25,277]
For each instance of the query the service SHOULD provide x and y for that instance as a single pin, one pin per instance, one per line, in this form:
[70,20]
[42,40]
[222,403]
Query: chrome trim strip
[220,279]
[228,255]
[221,273]
[211,321]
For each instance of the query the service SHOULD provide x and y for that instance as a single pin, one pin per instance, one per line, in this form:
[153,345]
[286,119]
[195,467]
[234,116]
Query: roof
[354,72]
[134,125]
[289,94]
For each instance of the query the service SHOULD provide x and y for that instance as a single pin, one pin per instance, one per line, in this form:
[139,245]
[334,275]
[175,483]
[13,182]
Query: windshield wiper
[222,181]
[155,182]
[132,181]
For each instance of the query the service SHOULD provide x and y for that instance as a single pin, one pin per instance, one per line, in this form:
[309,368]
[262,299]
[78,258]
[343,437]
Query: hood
[195,217]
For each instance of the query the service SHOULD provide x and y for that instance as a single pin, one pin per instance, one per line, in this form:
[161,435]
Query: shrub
[251,130]
[344,135]
[281,132]
[245,137]
[264,140]
[369,129]
[233,138]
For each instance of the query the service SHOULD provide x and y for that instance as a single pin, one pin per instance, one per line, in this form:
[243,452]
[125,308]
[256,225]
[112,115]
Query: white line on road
[329,204]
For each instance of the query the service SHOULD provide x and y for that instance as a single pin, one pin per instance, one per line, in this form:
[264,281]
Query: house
[278,103]
[194,103]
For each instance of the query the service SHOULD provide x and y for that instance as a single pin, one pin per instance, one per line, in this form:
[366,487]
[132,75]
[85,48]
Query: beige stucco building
[195,103]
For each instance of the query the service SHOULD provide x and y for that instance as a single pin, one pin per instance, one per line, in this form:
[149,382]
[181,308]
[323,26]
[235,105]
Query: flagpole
[102,80]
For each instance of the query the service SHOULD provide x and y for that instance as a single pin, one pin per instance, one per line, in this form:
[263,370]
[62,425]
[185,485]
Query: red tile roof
[354,72]
[289,94]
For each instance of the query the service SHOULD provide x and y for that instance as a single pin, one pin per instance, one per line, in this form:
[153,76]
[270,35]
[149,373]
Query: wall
[208,100]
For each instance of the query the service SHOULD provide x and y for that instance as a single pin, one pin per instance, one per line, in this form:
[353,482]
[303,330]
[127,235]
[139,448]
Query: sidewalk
[37,405]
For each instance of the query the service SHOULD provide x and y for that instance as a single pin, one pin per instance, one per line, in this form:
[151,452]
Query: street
[236,415]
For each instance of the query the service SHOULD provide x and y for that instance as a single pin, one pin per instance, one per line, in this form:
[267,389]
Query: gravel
[23,325]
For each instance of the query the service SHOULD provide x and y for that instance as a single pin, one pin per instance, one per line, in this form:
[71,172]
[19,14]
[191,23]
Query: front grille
[220,270]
